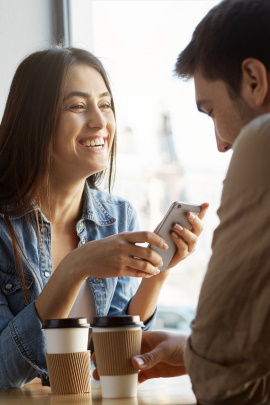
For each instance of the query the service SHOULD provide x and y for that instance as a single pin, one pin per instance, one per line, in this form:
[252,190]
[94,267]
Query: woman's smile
[94,144]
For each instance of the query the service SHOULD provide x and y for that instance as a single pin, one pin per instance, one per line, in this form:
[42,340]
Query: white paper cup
[116,341]
[67,357]
[68,335]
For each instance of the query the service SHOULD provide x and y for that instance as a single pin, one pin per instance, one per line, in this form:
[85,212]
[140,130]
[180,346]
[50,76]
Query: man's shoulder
[257,130]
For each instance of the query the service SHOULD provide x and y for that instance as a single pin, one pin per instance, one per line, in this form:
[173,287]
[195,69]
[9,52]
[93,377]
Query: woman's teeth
[94,143]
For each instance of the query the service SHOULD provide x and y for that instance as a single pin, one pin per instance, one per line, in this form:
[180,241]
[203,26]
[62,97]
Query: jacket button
[83,241]
[47,274]
[43,229]
[9,286]
[96,280]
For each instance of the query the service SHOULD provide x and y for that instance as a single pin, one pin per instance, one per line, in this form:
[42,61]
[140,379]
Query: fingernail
[165,246]
[139,361]
[157,271]
[178,227]
[175,235]
[191,216]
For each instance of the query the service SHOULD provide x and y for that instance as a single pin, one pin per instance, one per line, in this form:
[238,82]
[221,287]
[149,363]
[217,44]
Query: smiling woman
[67,248]
[86,128]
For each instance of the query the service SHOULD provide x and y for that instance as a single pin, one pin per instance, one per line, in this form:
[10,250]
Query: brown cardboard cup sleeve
[69,373]
[114,351]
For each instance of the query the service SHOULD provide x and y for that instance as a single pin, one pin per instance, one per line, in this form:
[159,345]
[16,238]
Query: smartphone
[176,214]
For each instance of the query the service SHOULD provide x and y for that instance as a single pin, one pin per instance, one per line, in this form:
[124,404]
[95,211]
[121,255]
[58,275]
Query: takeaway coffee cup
[67,357]
[116,340]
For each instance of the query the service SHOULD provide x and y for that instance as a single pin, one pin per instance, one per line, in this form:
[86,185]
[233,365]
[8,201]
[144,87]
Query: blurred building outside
[166,150]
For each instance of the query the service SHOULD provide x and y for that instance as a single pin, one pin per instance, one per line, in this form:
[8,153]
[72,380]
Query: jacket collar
[94,208]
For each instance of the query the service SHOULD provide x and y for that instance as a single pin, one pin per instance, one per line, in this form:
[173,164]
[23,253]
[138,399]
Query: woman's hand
[114,256]
[117,256]
[186,240]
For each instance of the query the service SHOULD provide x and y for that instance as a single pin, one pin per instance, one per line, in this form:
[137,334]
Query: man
[227,354]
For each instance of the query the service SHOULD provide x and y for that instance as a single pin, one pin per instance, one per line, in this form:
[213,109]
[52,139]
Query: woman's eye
[77,107]
[105,106]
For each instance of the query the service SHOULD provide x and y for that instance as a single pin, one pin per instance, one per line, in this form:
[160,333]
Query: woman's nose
[96,119]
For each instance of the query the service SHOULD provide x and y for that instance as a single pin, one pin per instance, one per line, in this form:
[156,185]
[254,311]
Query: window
[166,149]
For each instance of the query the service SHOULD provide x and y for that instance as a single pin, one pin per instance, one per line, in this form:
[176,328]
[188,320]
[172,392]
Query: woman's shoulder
[105,208]
[107,198]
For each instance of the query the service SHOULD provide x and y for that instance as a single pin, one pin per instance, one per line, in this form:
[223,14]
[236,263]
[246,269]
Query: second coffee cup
[116,340]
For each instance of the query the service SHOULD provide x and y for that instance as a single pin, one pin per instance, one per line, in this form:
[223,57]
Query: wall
[25,26]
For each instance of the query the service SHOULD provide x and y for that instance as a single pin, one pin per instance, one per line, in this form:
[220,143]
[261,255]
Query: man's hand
[162,355]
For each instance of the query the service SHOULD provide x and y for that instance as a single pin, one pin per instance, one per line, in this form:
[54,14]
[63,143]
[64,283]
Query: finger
[148,360]
[204,208]
[196,223]
[147,254]
[142,266]
[96,375]
[184,239]
[196,220]
[145,236]
[142,377]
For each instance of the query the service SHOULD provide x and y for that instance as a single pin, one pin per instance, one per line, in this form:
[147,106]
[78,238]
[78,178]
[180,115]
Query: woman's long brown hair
[27,133]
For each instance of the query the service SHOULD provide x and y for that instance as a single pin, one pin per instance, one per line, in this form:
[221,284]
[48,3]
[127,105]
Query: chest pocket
[11,291]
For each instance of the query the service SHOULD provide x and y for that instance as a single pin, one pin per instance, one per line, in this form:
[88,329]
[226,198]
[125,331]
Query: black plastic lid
[112,321]
[66,323]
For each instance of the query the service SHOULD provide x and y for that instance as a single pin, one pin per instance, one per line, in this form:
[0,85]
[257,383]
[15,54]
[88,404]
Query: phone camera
[179,206]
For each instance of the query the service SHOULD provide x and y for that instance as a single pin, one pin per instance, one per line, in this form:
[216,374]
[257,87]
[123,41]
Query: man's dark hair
[232,31]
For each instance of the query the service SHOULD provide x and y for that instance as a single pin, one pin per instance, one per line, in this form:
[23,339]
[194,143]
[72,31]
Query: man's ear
[254,82]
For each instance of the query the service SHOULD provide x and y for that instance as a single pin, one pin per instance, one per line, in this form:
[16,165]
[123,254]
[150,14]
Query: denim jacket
[22,344]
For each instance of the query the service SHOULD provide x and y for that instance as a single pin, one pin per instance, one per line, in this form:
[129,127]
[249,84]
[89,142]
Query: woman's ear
[254,82]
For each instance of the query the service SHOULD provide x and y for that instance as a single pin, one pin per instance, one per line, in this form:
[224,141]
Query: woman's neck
[63,206]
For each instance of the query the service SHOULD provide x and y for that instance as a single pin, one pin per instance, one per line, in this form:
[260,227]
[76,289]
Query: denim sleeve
[22,346]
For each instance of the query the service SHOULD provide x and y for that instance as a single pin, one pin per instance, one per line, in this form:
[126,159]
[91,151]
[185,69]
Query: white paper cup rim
[65,323]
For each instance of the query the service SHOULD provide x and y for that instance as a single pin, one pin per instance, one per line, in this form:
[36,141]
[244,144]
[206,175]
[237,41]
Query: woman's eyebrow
[85,95]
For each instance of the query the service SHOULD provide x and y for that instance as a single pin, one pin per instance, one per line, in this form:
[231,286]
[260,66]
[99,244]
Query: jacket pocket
[10,288]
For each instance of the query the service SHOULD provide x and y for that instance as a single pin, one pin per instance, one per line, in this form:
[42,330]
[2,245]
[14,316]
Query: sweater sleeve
[228,351]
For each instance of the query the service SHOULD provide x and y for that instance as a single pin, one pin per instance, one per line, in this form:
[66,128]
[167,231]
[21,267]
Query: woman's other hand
[185,239]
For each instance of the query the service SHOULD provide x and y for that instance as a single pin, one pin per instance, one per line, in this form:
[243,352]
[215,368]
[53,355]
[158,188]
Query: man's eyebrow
[85,95]
[200,104]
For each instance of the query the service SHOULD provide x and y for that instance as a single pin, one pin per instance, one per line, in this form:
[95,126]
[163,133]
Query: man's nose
[221,145]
